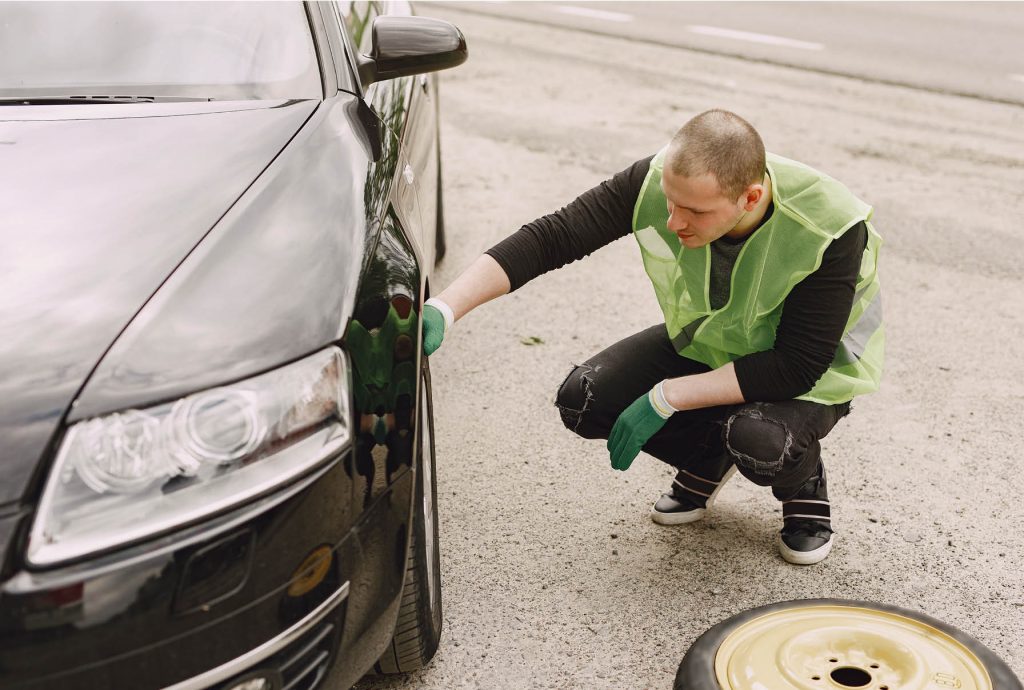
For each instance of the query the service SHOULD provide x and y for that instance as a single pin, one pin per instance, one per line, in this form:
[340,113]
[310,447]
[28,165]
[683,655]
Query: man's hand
[435,323]
[636,425]
[433,329]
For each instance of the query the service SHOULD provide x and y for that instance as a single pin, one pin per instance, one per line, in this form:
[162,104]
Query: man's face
[698,211]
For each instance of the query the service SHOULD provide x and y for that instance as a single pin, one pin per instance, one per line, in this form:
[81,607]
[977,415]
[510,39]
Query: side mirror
[411,45]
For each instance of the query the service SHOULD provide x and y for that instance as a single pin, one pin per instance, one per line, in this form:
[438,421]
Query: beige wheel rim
[827,647]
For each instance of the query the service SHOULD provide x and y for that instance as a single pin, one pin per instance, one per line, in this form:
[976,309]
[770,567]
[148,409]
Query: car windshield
[202,50]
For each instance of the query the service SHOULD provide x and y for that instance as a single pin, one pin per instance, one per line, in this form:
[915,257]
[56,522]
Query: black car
[217,228]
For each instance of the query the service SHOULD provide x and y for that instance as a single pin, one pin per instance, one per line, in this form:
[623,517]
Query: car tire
[439,237]
[698,668]
[418,630]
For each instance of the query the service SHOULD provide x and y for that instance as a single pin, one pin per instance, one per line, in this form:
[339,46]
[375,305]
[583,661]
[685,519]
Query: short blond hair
[722,144]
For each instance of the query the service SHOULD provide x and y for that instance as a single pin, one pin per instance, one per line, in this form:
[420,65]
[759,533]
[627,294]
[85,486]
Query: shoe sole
[804,557]
[695,514]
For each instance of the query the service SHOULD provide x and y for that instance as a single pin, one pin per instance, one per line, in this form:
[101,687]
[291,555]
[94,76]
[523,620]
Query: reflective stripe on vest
[855,343]
[811,210]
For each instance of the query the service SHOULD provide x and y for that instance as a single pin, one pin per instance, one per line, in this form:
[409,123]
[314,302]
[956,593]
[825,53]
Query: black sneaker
[691,497]
[806,537]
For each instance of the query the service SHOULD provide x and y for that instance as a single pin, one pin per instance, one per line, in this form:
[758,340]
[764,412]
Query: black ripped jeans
[771,443]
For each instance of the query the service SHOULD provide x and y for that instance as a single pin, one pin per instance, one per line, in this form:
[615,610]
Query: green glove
[636,425]
[435,322]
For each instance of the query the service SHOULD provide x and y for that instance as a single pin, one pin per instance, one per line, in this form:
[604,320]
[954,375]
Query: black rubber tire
[418,630]
[440,247]
[697,671]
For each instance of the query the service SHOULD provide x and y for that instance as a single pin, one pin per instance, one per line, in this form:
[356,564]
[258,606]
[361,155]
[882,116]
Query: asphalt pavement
[553,574]
[960,48]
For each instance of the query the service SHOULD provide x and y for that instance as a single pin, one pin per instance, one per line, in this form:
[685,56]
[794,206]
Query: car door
[396,104]
[408,107]
[420,145]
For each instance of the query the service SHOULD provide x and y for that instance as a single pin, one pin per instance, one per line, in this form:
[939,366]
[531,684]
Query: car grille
[303,664]
[306,667]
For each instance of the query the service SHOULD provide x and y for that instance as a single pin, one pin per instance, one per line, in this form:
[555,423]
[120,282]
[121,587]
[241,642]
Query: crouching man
[766,273]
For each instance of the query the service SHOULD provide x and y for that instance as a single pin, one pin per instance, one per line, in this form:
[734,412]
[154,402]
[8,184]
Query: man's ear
[752,196]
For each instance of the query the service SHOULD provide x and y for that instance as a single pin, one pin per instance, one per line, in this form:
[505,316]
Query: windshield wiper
[70,100]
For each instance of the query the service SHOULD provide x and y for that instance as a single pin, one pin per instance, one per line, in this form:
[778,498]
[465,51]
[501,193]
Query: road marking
[594,14]
[1017,77]
[754,38]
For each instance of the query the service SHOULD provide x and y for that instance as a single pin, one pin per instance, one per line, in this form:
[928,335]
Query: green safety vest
[811,210]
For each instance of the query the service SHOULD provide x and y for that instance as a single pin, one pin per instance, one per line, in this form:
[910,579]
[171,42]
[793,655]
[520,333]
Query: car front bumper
[281,589]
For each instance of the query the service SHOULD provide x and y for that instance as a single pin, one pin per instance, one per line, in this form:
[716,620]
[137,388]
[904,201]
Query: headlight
[129,475]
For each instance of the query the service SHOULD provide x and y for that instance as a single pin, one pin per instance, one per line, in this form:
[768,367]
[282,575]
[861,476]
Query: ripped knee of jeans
[575,395]
[759,445]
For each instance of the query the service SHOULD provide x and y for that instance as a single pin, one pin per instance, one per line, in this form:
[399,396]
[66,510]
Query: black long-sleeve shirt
[813,316]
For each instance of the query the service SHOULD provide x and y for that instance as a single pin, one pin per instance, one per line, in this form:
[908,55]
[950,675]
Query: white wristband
[446,312]
[659,402]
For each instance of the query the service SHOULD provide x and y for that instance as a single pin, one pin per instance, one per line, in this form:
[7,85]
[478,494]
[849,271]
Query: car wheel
[439,239]
[834,644]
[418,630]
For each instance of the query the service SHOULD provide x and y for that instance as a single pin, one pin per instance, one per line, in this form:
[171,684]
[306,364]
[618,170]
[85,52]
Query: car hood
[100,204]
